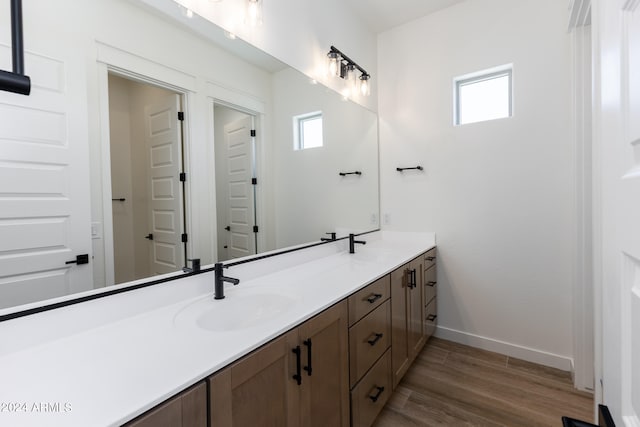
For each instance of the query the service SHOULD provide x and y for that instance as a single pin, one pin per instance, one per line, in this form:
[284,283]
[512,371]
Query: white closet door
[44,183]
[164,142]
[617,129]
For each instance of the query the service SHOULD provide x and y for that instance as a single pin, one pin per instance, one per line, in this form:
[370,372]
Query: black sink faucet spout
[352,243]
[329,239]
[220,279]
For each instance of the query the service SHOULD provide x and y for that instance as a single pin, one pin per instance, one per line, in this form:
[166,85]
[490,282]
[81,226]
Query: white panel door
[44,191]
[164,142]
[617,114]
[241,215]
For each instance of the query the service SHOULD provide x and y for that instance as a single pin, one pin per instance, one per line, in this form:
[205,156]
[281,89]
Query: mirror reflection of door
[146,162]
[234,146]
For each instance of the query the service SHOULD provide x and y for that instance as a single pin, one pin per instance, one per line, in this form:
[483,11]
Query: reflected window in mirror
[307,130]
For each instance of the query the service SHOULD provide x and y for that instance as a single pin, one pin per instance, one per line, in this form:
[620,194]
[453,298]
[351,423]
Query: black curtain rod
[16,81]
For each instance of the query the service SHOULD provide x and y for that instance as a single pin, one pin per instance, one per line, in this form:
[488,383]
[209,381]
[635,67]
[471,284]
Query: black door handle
[149,236]
[298,375]
[307,368]
[228,228]
[80,259]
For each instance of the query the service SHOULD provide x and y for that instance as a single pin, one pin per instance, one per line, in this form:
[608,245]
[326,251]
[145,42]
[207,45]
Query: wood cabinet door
[187,409]
[258,390]
[325,368]
[416,318]
[399,326]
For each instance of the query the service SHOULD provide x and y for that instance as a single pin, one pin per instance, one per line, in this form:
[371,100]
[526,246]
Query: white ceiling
[382,15]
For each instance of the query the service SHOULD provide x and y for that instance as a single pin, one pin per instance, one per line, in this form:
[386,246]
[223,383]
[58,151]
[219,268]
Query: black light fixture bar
[348,60]
[16,81]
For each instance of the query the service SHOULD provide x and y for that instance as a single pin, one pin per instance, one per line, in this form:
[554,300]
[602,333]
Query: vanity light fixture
[340,65]
[253,15]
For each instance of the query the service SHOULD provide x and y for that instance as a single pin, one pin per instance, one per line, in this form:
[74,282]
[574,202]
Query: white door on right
[617,130]
[241,213]
[164,142]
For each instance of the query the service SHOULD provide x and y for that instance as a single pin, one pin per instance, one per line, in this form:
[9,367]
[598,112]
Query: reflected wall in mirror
[68,150]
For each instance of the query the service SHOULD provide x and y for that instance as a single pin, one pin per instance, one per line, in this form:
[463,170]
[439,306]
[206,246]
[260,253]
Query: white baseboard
[512,350]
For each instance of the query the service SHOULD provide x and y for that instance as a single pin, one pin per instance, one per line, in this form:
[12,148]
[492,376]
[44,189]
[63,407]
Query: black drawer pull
[298,375]
[376,396]
[432,317]
[430,258]
[373,298]
[307,368]
[374,340]
[431,284]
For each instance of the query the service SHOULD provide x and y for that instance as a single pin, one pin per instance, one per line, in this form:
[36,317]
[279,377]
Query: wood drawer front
[431,317]
[430,284]
[430,258]
[187,409]
[367,299]
[368,340]
[376,384]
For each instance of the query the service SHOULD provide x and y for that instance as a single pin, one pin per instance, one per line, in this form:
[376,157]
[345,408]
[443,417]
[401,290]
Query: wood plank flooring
[451,384]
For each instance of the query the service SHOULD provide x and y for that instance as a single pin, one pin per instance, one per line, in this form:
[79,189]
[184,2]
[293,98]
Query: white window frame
[298,129]
[477,77]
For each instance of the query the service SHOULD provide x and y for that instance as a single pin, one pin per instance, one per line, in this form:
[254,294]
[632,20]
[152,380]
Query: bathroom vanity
[314,337]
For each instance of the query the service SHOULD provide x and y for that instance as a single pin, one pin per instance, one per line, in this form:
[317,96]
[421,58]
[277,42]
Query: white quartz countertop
[106,361]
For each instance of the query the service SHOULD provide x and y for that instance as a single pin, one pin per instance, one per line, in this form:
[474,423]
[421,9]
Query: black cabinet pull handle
[307,368]
[412,278]
[374,340]
[373,298]
[376,396]
[431,284]
[432,317]
[298,375]
[430,258]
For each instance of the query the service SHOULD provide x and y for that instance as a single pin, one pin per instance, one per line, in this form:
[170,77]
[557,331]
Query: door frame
[219,95]
[584,347]
[111,60]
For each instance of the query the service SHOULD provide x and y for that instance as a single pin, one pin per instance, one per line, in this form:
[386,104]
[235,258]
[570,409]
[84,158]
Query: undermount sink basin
[236,312]
[370,256]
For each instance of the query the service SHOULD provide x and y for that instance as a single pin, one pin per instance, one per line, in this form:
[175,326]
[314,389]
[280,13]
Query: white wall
[499,194]
[310,197]
[121,180]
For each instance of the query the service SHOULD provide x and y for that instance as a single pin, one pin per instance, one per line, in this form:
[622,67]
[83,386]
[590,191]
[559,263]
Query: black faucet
[220,279]
[352,243]
[195,266]
[329,239]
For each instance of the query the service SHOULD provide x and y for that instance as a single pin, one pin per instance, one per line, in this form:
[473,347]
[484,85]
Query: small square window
[307,130]
[483,96]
